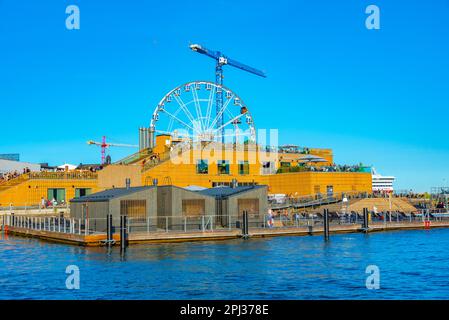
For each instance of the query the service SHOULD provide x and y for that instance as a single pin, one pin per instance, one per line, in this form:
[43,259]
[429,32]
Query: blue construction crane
[221,61]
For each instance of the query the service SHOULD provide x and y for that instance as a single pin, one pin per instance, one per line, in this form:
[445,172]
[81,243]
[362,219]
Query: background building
[10,156]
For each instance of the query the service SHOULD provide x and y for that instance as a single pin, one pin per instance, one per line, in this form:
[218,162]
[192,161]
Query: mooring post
[326,224]
[109,228]
[365,220]
[310,224]
[123,232]
[245,224]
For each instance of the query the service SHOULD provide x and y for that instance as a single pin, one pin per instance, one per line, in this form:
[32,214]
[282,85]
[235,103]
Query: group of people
[336,168]
[46,203]
[6,176]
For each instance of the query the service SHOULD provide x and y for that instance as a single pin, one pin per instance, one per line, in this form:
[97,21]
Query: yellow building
[173,156]
[28,189]
[183,163]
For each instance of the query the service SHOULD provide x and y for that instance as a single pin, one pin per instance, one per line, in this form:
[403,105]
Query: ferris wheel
[190,112]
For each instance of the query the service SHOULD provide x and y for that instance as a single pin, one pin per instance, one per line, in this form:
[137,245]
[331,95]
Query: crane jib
[222,59]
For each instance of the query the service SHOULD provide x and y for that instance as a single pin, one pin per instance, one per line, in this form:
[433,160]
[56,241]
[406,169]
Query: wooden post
[123,232]
[109,229]
[245,224]
[365,224]
[326,224]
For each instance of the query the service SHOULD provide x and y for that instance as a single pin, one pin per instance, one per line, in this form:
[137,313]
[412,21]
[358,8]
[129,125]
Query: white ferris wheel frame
[202,126]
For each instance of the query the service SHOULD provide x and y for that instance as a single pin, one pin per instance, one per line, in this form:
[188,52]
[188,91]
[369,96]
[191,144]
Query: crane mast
[222,60]
[104,145]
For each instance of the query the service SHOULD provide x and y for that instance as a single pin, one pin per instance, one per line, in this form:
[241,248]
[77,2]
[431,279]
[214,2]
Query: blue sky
[379,97]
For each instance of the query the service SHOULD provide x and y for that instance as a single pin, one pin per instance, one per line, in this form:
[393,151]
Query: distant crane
[105,145]
[221,61]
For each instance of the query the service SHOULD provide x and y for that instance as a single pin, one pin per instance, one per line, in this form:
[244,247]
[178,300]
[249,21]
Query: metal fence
[50,223]
[11,208]
[207,223]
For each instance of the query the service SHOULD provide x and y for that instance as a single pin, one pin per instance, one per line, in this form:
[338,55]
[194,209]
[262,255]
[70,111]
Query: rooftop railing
[64,175]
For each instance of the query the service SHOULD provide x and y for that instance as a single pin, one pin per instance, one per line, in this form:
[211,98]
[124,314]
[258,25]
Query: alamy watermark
[373,280]
[372,22]
[72,281]
[72,22]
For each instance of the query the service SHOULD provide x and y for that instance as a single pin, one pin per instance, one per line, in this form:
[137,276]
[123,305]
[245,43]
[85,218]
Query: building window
[81,192]
[249,205]
[193,207]
[221,184]
[243,167]
[223,167]
[57,194]
[133,208]
[202,167]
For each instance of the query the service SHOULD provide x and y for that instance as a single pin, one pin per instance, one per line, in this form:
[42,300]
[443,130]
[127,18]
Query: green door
[57,194]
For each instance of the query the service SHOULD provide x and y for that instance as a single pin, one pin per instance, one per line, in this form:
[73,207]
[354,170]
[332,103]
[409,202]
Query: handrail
[135,156]
[63,175]
[15,180]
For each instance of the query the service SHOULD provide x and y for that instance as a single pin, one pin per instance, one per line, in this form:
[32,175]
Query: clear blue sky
[379,97]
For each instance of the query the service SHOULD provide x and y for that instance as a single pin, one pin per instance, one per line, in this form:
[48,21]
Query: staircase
[14,182]
[154,160]
[135,157]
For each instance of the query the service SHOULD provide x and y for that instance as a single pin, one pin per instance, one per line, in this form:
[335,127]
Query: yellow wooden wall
[31,191]
[303,183]
[181,171]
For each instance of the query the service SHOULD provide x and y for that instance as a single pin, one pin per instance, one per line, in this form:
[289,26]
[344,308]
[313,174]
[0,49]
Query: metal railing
[314,200]
[213,223]
[11,208]
[62,175]
[49,223]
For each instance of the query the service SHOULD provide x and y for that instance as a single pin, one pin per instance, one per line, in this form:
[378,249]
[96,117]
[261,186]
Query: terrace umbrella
[68,165]
[311,158]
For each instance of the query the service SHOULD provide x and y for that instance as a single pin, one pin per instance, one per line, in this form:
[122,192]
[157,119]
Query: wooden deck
[170,237]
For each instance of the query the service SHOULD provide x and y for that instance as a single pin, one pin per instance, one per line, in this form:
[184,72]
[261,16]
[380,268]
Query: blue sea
[412,265]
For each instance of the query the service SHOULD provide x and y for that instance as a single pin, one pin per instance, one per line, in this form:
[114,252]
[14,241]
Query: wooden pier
[225,234]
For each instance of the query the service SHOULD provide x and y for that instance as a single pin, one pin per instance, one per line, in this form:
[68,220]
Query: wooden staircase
[14,182]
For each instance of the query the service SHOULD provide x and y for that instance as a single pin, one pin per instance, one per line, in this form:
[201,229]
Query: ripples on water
[413,265]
